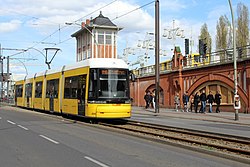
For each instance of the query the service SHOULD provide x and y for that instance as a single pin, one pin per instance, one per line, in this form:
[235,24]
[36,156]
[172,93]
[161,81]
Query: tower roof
[98,22]
[102,21]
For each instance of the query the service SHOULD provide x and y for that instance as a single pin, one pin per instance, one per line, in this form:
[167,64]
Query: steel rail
[164,135]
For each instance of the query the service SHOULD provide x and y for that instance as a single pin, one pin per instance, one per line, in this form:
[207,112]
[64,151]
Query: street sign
[237,102]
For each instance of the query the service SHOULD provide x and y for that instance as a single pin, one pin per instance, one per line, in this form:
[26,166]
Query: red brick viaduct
[210,77]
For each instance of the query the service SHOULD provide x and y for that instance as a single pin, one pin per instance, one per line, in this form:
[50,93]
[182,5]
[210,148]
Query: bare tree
[242,27]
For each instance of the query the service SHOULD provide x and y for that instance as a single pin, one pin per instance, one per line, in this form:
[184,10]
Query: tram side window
[19,90]
[52,88]
[28,90]
[74,87]
[38,90]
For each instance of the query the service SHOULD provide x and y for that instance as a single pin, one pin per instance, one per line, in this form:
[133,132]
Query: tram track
[229,144]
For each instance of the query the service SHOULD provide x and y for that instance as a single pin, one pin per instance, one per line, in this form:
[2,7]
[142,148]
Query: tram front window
[113,88]
[113,83]
[109,84]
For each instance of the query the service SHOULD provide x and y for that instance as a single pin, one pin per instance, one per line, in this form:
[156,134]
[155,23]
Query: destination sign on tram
[110,72]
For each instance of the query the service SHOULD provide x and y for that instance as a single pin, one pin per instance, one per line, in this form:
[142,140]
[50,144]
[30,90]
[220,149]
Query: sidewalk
[223,117]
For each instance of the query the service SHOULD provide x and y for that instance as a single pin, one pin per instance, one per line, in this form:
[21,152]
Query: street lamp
[126,52]
[173,33]
[91,33]
[147,44]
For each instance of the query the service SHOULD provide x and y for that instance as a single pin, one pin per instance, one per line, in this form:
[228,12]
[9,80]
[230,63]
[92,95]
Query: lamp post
[235,61]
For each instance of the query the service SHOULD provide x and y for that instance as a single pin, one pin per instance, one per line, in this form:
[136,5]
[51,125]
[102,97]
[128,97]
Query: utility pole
[1,72]
[157,55]
[8,76]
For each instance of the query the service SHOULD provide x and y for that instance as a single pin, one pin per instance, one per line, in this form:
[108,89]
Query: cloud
[8,27]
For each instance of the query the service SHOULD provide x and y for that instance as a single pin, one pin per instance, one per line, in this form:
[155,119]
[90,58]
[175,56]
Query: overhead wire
[60,28]
[131,11]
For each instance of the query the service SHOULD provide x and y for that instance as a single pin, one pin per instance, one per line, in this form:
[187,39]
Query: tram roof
[91,63]
[98,63]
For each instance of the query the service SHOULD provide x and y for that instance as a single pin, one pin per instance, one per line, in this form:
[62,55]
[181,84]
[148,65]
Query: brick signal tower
[96,39]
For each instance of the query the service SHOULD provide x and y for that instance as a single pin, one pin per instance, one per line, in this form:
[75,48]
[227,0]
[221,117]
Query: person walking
[147,99]
[210,100]
[203,99]
[217,99]
[185,101]
[153,99]
[196,101]
[177,102]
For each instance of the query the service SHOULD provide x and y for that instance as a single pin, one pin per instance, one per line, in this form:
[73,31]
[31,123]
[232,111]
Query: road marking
[22,127]
[13,123]
[95,161]
[49,139]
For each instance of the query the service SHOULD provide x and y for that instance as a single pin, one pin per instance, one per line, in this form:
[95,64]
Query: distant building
[96,39]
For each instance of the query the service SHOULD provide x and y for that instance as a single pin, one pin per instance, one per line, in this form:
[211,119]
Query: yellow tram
[93,88]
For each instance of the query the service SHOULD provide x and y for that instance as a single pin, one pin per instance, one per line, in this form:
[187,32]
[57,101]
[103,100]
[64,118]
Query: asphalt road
[33,139]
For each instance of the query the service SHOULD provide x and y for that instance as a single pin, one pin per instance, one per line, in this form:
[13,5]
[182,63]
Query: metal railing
[196,60]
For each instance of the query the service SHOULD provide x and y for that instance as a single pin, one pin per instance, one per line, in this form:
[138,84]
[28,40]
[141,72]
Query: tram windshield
[109,84]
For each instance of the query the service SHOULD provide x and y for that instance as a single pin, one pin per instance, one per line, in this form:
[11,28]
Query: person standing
[191,102]
[217,101]
[210,100]
[177,102]
[203,99]
[185,101]
[196,101]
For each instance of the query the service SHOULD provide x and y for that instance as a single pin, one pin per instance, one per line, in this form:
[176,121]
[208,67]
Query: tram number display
[117,72]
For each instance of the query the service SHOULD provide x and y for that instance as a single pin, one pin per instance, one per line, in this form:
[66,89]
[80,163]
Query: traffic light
[201,47]
[240,52]
[186,46]
[205,48]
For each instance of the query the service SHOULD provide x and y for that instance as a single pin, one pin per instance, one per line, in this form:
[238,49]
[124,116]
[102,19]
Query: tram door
[81,91]
[51,103]
[52,92]
[28,94]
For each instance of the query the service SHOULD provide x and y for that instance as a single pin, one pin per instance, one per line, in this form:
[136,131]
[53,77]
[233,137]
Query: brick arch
[151,88]
[220,78]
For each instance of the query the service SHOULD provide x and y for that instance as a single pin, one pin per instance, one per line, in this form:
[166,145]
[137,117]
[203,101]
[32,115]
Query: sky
[39,24]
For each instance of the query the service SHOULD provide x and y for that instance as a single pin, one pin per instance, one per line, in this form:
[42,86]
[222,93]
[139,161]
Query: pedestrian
[203,99]
[196,101]
[191,102]
[217,99]
[177,102]
[210,100]
[185,101]
[153,99]
[147,99]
